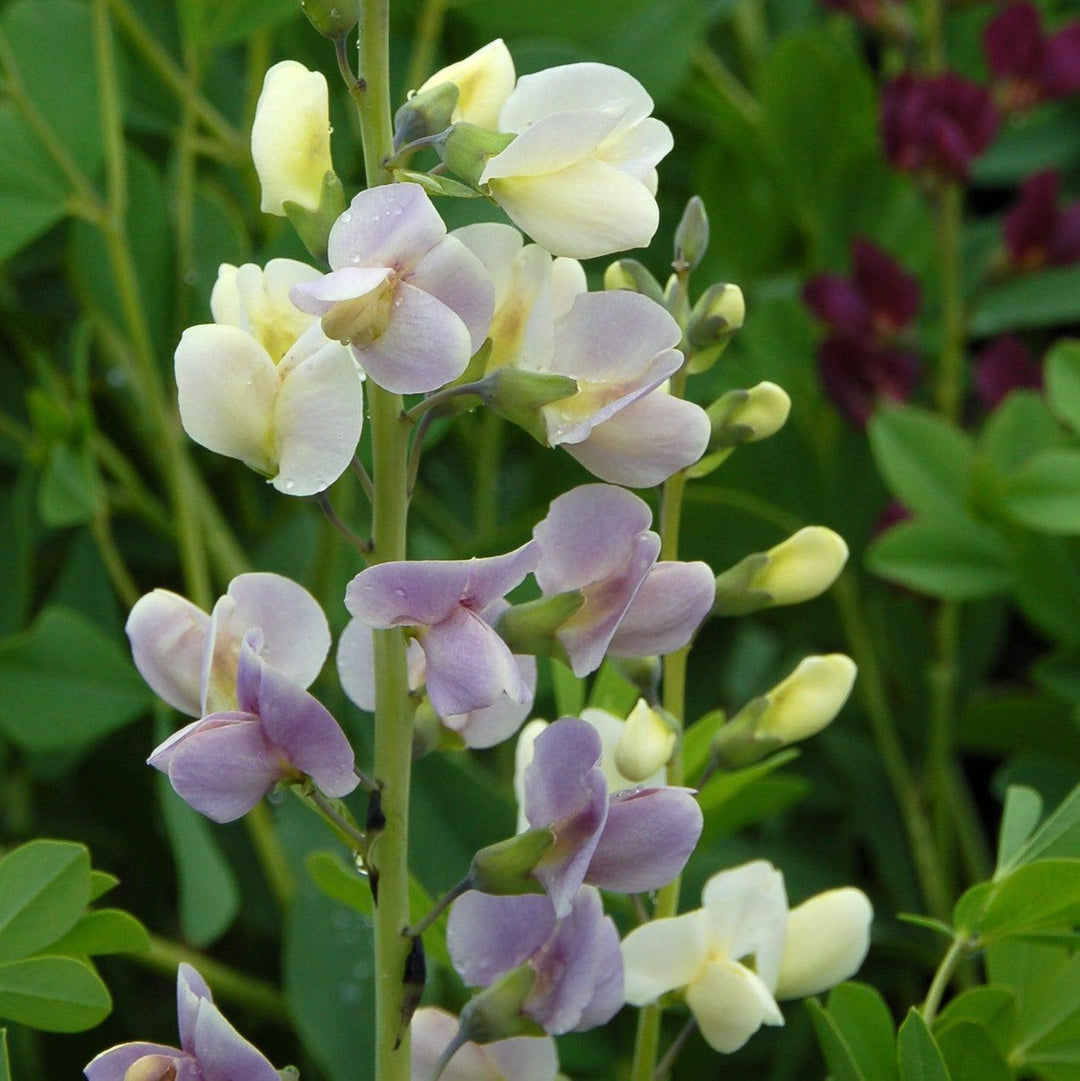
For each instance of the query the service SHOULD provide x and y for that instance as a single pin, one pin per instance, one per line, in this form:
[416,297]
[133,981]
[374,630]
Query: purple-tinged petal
[588,535]
[838,302]
[223,1054]
[453,275]
[1064,248]
[857,376]
[1061,70]
[113,1064]
[523,1058]
[647,839]
[891,294]
[580,959]
[356,664]
[1003,366]
[300,727]
[223,771]
[393,225]
[162,754]
[1029,224]
[191,989]
[617,451]
[488,936]
[493,724]
[296,636]
[321,296]
[468,665]
[666,611]
[167,635]
[1013,43]
[432,1031]
[565,789]
[424,347]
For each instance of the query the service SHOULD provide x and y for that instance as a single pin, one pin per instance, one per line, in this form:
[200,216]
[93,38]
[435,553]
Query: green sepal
[738,743]
[734,594]
[692,235]
[313,226]
[425,114]
[531,627]
[634,277]
[495,1013]
[727,432]
[506,867]
[465,148]
[437,185]
[331,18]
[718,313]
[518,396]
[643,672]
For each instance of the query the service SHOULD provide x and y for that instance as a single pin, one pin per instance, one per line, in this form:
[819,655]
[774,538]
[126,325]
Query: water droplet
[356,258]
[190,277]
[399,593]
[347,216]
[289,485]
[330,129]
[350,994]
[116,377]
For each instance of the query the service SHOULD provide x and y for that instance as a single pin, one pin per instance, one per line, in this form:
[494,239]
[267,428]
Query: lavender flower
[223,764]
[210,1047]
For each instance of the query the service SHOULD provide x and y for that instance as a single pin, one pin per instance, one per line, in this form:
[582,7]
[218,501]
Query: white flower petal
[167,634]
[730,1003]
[450,272]
[553,144]
[226,384]
[637,150]
[567,284]
[393,225]
[663,955]
[496,246]
[484,80]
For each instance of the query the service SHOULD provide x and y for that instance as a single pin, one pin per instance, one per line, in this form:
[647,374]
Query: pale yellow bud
[804,703]
[802,567]
[646,743]
[826,942]
[290,137]
[764,412]
[484,81]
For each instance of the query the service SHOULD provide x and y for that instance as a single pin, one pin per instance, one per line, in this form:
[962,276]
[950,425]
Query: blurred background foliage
[125,181]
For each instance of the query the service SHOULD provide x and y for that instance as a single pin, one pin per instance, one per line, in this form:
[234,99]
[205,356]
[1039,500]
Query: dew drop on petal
[399,593]
[346,217]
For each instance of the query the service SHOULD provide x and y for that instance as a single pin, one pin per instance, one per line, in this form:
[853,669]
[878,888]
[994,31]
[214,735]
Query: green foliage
[856,1033]
[917,1053]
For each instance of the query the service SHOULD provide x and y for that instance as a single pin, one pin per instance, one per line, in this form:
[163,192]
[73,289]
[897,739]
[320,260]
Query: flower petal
[167,634]
[496,246]
[554,143]
[318,415]
[493,724]
[432,1030]
[226,385]
[191,989]
[113,1065]
[730,1003]
[452,274]
[637,150]
[424,347]
[666,611]
[356,664]
[223,1054]
[663,955]
[646,841]
[524,1058]
[617,450]
[484,80]
[487,936]
[392,225]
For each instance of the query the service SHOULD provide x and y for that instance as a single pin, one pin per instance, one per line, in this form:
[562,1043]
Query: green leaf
[236,21]
[44,889]
[1063,382]
[57,994]
[697,742]
[1044,493]
[1023,809]
[5,1065]
[839,1056]
[1058,836]
[1020,427]
[209,896]
[925,460]
[971,1054]
[1046,298]
[1048,138]
[1050,1029]
[917,1053]
[33,193]
[1047,585]
[730,800]
[864,1019]
[569,690]
[69,492]
[927,923]
[992,1008]
[64,684]
[612,691]
[1005,723]
[100,884]
[955,560]
[1035,897]
[106,930]
[339,882]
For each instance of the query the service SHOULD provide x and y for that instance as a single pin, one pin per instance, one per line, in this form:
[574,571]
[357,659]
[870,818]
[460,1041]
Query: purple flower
[483,727]
[576,959]
[225,763]
[1028,65]
[936,124]
[210,1048]
[468,666]
[189,658]
[629,841]
[1036,232]
[879,300]
[523,1058]
[1003,366]
[413,303]
[857,376]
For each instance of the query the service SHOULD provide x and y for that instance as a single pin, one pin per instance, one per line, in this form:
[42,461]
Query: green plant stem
[227,983]
[647,1042]
[727,85]
[115,567]
[959,949]
[373,89]
[347,832]
[488,452]
[429,25]
[271,854]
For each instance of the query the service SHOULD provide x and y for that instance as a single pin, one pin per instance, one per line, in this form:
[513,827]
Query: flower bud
[495,1013]
[692,236]
[331,18]
[482,81]
[827,940]
[646,743]
[747,416]
[634,276]
[506,867]
[531,627]
[643,672]
[718,313]
[802,567]
[152,1068]
[466,148]
[804,703]
[426,113]
[290,137]
[518,395]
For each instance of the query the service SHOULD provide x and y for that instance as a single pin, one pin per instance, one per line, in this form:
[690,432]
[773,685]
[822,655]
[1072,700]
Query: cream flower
[484,81]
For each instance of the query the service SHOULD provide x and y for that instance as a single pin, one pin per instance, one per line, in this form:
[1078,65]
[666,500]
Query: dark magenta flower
[936,124]
[857,376]
[879,299]
[1028,65]
[1039,233]
[1003,366]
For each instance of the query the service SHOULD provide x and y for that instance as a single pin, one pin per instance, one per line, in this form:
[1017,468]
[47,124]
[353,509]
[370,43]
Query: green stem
[227,983]
[647,1042]
[271,854]
[942,677]
[960,948]
[373,89]
[727,85]
[115,567]
[429,26]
